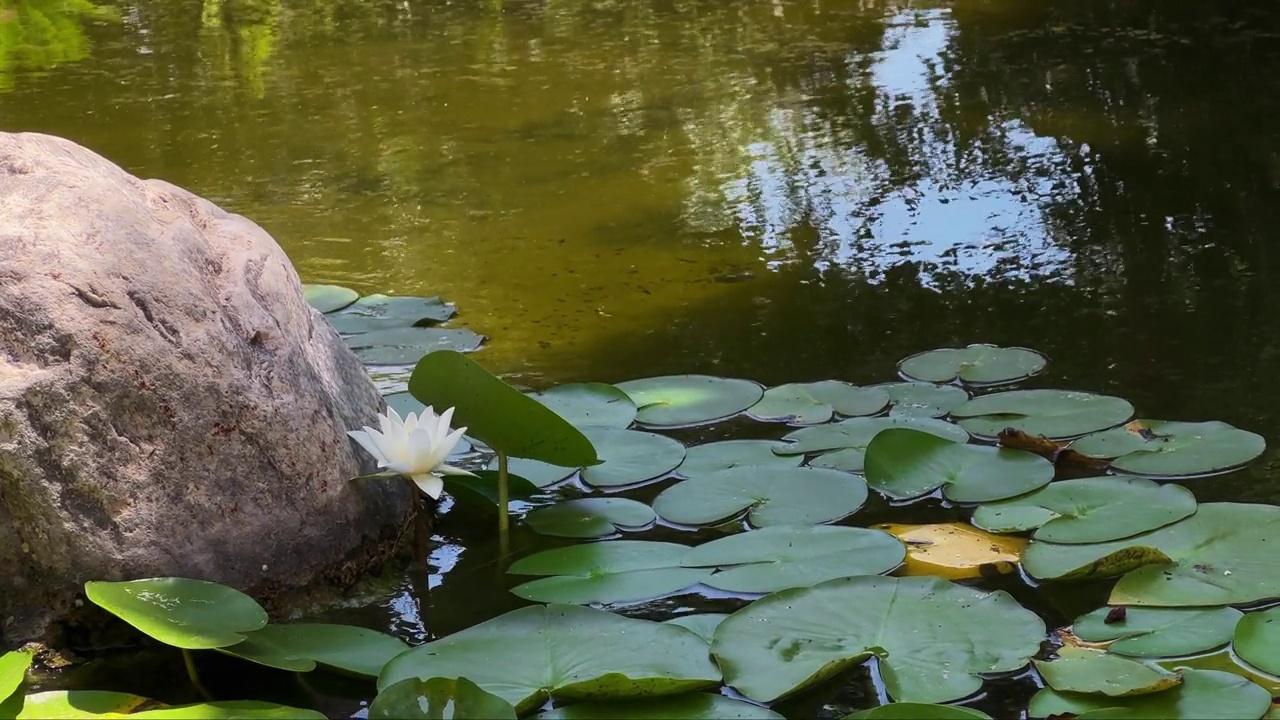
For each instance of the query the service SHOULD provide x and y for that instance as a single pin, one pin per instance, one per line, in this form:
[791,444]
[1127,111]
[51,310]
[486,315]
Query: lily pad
[228,710]
[849,439]
[903,463]
[1081,670]
[567,652]
[414,310]
[75,704]
[590,517]
[1055,414]
[702,624]
[1159,632]
[1203,695]
[538,473]
[781,557]
[1257,640]
[955,551]
[1089,510]
[405,346]
[935,639]
[328,298]
[1222,555]
[683,400]
[977,365]
[13,670]
[692,706]
[439,699]
[816,402]
[1157,448]
[300,646]
[190,614]
[595,404]
[922,399]
[630,456]
[770,496]
[484,486]
[712,457]
[918,711]
[606,572]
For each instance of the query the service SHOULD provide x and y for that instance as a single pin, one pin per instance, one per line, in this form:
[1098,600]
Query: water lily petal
[365,439]
[429,484]
[451,470]
[410,423]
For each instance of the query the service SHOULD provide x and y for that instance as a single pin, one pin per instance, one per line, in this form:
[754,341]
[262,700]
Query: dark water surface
[776,190]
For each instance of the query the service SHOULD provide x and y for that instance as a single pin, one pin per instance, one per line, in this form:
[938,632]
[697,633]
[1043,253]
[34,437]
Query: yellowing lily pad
[955,551]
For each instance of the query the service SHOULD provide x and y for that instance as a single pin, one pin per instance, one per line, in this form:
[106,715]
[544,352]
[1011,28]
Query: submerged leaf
[770,496]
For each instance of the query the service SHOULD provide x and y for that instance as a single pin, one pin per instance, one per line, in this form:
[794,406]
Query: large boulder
[169,404]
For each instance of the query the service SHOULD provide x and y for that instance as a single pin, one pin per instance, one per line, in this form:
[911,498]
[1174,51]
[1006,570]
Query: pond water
[776,190]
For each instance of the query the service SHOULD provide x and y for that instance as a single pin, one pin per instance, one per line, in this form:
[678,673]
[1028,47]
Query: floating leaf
[13,670]
[1257,640]
[781,557]
[682,400]
[849,439]
[595,404]
[934,638]
[1157,448]
[712,457]
[328,298]
[918,711]
[816,402]
[606,572]
[922,399]
[702,624]
[538,473]
[1159,632]
[484,486]
[76,705]
[356,650]
[590,517]
[955,551]
[1055,414]
[228,710]
[1222,555]
[974,365]
[496,413]
[1081,670]
[691,706]
[904,463]
[439,699]
[630,456]
[1089,510]
[1226,661]
[567,652]
[411,310]
[405,346]
[1203,695]
[191,614]
[770,496]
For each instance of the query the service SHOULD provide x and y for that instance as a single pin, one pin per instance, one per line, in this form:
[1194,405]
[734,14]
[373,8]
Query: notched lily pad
[1159,632]
[922,399]
[955,551]
[693,706]
[589,404]
[190,614]
[685,400]
[606,572]
[414,310]
[439,699]
[1257,640]
[845,443]
[1089,510]
[1158,448]
[1055,414]
[716,456]
[405,346]
[539,473]
[630,456]
[590,517]
[328,298]
[1081,670]
[816,402]
[769,496]
[1203,695]
[976,365]
[903,463]
[701,624]
[918,711]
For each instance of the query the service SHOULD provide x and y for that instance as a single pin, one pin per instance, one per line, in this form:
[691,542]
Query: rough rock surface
[169,404]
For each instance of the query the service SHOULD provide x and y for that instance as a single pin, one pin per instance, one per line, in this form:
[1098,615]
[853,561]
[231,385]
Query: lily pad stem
[504,521]
[421,528]
[194,675]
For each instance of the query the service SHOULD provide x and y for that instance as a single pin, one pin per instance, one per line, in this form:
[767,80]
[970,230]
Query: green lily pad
[781,557]
[439,699]
[328,298]
[190,614]
[595,404]
[1222,555]
[630,456]
[13,670]
[405,346]
[1159,632]
[922,399]
[770,496]
[683,400]
[606,572]
[484,486]
[918,711]
[590,517]
[300,646]
[567,652]
[1203,695]
[75,704]
[934,639]
[1081,670]
[903,463]
[1174,449]
[1257,640]
[415,310]
[228,710]
[702,624]
[692,706]
[712,457]
[540,474]
[849,439]
[1055,414]
[977,365]
[1089,510]
[816,402]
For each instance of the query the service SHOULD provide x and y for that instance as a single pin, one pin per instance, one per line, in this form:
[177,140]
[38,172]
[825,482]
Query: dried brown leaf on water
[1065,460]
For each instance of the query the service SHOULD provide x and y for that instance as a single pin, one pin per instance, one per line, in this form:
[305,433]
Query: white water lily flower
[415,446]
